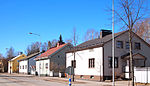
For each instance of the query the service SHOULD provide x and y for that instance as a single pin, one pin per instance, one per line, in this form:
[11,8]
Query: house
[28,64]
[53,61]
[13,64]
[93,58]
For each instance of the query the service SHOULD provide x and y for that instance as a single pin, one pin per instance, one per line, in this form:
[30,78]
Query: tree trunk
[131,58]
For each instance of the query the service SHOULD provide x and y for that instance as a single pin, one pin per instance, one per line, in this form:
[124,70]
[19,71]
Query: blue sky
[49,18]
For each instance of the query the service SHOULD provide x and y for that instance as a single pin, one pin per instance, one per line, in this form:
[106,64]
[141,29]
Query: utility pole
[74,53]
[113,48]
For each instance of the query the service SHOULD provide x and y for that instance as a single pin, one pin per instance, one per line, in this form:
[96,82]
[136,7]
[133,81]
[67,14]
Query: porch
[138,61]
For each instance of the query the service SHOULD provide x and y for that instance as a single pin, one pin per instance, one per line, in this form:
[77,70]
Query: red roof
[50,51]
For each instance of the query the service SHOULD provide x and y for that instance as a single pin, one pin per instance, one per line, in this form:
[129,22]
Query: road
[29,80]
[9,80]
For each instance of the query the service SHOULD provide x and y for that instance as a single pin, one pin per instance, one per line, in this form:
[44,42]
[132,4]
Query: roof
[50,51]
[16,57]
[30,56]
[96,42]
[127,56]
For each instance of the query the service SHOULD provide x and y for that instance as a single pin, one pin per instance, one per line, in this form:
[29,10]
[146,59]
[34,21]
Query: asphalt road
[8,80]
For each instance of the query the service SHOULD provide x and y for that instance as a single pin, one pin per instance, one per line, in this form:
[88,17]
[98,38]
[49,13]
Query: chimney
[104,33]
[58,44]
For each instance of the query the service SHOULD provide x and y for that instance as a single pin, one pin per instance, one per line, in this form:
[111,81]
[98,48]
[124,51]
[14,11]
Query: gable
[125,37]
[19,57]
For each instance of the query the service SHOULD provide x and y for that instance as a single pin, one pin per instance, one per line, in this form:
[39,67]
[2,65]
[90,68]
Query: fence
[142,74]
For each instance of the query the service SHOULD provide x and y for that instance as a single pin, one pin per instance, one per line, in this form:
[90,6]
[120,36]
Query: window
[23,67]
[20,67]
[92,63]
[127,45]
[46,65]
[137,46]
[110,62]
[40,66]
[119,44]
[73,63]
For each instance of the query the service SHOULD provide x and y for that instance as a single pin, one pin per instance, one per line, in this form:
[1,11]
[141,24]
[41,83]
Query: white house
[28,65]
[93,58]
[53,61]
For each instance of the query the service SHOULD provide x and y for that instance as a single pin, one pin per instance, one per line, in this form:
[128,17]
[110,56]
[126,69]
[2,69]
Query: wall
[9,65]
[32,62]
[25,64]
[41,69]
[82,61]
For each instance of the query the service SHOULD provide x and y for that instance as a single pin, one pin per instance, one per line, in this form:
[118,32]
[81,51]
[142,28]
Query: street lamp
[39,47]
[34,34]
[113,48]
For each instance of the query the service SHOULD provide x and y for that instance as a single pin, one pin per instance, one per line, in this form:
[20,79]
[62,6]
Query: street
[9,80]
[29,80]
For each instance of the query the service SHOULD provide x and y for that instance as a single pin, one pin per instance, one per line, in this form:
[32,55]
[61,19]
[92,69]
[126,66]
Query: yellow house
[13,64]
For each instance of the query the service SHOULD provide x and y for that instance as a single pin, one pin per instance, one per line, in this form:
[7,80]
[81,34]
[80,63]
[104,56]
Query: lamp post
[113,48]
[40,39]
[39,48]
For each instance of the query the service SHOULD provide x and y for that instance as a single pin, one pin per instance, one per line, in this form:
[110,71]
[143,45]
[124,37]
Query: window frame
[121,45]
[91,63]
[127,45]
[116,65]
[46,65]
[23,67]
[139,46]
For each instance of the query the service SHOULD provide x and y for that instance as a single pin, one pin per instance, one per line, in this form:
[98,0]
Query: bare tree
[68,41]
[33,48]
[54,43]
[44,46]
[129,12]
[49,45]
[10,53]
[91,34]
[56,68]
[1,56]
[3,63]
[142,28]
